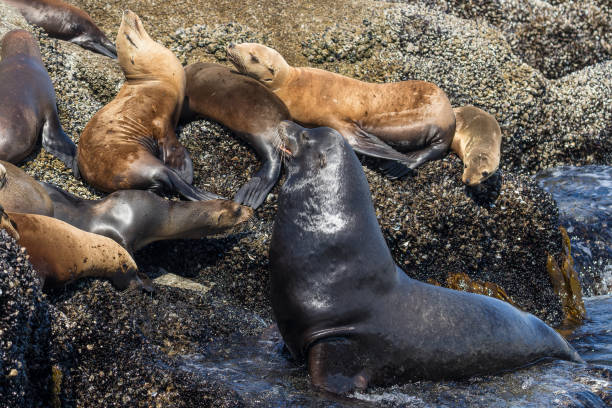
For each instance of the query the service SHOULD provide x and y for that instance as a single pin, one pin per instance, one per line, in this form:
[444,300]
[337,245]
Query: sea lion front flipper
[333,365]
[56,142]
[175,156]
[255,191]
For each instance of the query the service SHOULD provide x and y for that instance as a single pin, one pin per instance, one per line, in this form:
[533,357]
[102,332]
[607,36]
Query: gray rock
[25,333]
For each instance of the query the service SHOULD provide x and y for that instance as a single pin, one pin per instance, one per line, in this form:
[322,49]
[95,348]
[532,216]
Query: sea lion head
[478,166]
[260,62]
[19,42]
[141,58]
[8,224]
[227,214]
[310,151]
[87,34]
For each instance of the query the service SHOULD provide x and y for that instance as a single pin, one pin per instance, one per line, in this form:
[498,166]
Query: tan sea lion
[61,253]
[130,143]
[249,109]
[136,218]
[477,142]
[66,22]
[415,117]
[27,103]
[19,192]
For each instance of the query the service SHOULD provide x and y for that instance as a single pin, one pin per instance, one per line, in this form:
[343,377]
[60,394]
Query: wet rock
[24,330]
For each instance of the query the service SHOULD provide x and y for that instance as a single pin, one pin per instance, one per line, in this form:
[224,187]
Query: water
[584,197]
[263,374]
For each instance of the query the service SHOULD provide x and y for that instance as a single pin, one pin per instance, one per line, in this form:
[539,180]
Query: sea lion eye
[254,59]
[304,136]
[465,166]
[271,70]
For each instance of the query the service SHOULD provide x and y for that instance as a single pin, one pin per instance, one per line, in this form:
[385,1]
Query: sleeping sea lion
[249,109]
[66,22]
[412,116]
[477,142]
[61,253]
[130,143]
[27,103]
[342,304]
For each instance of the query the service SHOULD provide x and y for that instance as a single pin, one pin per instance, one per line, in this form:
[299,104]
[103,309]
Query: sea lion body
[27,103]
[21,193]
[131,143]
[62,253]
[249,109]
[66,22]
[412,116]
[342,303]
[135,218]
[477,142]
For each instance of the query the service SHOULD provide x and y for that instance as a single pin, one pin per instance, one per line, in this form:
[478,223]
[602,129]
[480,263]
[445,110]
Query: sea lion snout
[288,131]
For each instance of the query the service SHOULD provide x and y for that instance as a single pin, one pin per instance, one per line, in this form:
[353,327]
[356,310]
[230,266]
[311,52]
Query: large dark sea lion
[415,117]
[27,103]
[249,109]
[477,141]
[61,253]
[19,192]
[135,218]
[130,143]
[342,303]
[66,22]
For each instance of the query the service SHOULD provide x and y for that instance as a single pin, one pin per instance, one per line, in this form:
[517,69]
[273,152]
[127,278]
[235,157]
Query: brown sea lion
[19,192]
[27,103]
[130,143]
[61,253]
[412,116]
[342,304]
[477,142]
[66,22]
[249,109]
[135,218]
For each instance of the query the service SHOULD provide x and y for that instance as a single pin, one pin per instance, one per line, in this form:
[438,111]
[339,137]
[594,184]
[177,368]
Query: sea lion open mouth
[287,131]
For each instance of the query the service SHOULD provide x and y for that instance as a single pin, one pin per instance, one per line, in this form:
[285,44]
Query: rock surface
[25,333]
[126,348]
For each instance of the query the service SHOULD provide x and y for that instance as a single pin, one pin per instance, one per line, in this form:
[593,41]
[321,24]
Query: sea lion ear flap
[322,160]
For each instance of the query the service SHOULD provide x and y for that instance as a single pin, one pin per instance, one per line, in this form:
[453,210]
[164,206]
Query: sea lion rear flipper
[369,145]
[333,365]
[255,191]
[56,142]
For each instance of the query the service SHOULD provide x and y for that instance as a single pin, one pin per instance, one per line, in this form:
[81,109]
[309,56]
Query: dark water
[264,375]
